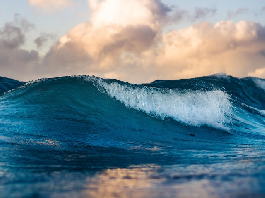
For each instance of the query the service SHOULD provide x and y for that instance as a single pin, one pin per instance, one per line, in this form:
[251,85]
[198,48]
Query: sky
[137,41]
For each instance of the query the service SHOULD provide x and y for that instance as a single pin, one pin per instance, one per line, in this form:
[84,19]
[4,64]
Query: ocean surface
[84,136]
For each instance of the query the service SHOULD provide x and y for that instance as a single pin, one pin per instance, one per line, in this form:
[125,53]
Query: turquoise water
[85,136]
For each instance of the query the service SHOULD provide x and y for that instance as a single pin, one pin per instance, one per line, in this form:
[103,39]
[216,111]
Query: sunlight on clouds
[93,4]
[126,40]
[51,5]
[122,44]
[204,49]
[258,73]
[246,31]
[122,12]
[114,32]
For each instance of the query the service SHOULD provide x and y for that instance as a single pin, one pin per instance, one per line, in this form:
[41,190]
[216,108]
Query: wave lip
[195,108]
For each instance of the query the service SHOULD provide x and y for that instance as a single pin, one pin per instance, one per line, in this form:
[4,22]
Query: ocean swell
[195,108]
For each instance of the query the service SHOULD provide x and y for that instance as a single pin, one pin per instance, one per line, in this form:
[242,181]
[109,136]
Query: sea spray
[196,108]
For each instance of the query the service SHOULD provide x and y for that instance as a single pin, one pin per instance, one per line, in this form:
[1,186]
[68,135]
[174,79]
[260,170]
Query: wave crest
[196,108]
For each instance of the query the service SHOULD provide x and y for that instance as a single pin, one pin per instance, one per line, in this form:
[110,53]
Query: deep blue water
[84,136]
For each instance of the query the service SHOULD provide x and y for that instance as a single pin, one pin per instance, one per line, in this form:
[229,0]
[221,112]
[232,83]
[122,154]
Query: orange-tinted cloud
[119,42]
[126,40]
[118,31]
[234,48]
[50,5]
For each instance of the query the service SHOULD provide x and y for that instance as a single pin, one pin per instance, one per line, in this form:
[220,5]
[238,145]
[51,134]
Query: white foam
[195,108]
[221,75]
[259,83]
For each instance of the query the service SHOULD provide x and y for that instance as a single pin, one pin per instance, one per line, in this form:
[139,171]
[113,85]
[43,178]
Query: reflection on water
[217,180]
[227,179]
[124,182]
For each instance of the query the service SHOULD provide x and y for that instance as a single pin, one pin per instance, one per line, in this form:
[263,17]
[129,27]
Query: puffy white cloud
[50,5]
[204,49]
[119,43]
[117,30]
[126,40]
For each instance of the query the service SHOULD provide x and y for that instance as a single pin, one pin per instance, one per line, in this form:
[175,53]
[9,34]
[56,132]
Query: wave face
[110,138]
[93,111]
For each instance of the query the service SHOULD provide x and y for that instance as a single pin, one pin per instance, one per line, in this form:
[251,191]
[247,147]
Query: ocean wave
[77,111]
[195,108]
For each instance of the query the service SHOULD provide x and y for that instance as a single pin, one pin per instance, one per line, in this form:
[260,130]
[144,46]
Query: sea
[85,136]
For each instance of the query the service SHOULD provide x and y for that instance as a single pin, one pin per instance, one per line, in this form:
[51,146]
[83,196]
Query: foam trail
[196,108]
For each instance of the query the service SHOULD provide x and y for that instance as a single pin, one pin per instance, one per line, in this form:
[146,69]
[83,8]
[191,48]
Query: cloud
[177,15]
[201,13]
[240,11]
[148,12]
[51,5]
[117,29]
[13,34]
[14,61]
[205,49]
[43,38]
[119,42]
[142,53]
[259,12]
